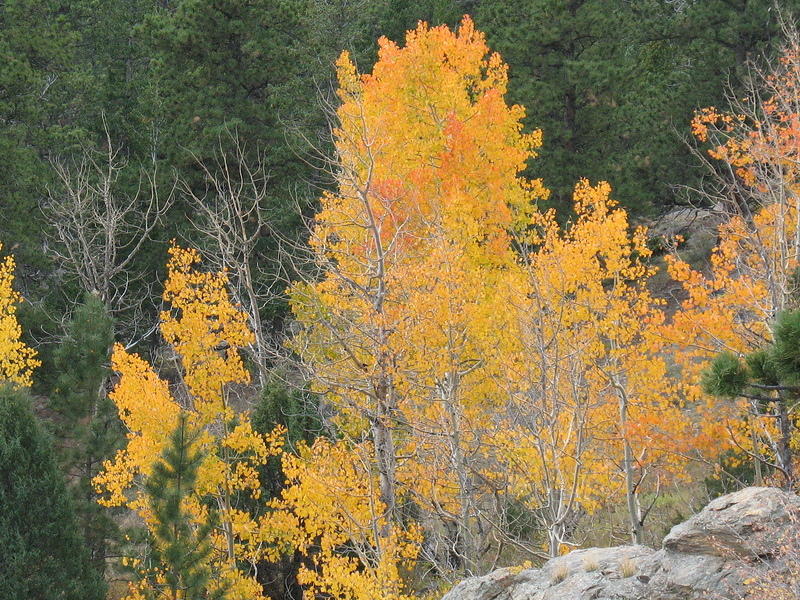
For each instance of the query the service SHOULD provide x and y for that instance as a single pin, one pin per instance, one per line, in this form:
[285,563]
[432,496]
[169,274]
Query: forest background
[125,125]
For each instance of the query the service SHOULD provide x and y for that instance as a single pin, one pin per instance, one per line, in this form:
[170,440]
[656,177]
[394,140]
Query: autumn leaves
[474,357]
[201,320]
[17,360]
[476,354]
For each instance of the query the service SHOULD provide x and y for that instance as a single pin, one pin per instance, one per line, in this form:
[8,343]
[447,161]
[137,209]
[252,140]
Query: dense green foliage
[776,367]
[83,413]
[227,65]
[613,85]
[179,550]
[42,553]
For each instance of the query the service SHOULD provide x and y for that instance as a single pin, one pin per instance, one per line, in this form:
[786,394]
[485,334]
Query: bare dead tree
[97,228]
[231,216]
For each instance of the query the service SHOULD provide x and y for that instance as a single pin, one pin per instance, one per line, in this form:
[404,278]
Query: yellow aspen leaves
[206,331]
[150,415]
[587,385]
[471,352]
[398,331]
[331,509]
[17,360]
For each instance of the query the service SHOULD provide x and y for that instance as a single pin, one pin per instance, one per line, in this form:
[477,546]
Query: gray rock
[704,558]
[743,523]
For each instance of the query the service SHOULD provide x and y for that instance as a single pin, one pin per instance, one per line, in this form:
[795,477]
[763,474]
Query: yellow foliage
[206,331]
[455,366]
[585,374]
[17,360]
[331,504]
[753,274]
[399,332]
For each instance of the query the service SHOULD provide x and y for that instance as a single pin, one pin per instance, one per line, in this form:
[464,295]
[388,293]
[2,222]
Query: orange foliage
[753,271]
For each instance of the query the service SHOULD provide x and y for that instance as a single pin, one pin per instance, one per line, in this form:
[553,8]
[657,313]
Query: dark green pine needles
[180,547]
[42,554]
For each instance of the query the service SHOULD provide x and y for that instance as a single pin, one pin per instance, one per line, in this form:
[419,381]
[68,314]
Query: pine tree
[207,332]
[42,554]
[85,419]
[611,84]
[179,566]
[228,65]
[38,48]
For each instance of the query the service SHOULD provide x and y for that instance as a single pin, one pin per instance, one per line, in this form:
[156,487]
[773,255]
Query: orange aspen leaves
[753,271]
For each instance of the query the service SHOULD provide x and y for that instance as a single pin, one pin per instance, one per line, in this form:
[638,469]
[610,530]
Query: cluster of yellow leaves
[17,360]
[411,244]
[585,377]
[331,510]
[206,331]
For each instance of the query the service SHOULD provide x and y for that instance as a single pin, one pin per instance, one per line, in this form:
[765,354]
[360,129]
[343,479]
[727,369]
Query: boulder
[709,556]
[743,523]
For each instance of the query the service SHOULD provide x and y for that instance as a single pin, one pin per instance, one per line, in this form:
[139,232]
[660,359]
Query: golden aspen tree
[206,331]
[17,360]
[753,275]
[592,409]
[428,164]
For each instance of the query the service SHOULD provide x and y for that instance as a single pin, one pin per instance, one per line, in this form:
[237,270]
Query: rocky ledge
[735,540]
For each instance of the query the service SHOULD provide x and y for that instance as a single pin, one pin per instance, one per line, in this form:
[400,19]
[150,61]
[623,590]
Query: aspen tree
[207,332]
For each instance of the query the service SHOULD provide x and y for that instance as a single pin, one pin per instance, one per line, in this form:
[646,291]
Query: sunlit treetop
[429,134]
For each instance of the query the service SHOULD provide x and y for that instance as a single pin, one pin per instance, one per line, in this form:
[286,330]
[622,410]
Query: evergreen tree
[564,60]
[37,101]
[613,84]
[227,65]
[770,380]
[228,73]
[178,567]
[85,420]
[42,554]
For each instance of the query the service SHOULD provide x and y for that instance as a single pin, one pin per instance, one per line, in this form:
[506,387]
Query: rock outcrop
[735,538]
